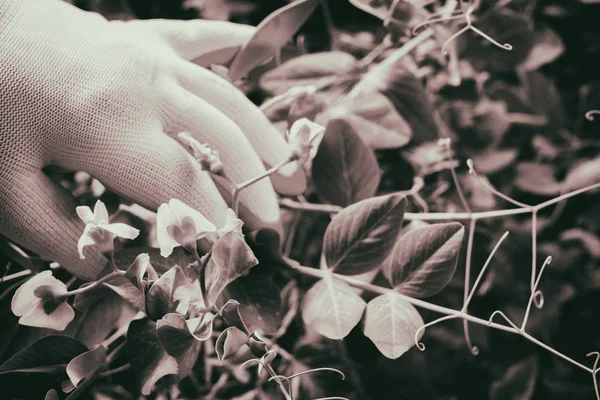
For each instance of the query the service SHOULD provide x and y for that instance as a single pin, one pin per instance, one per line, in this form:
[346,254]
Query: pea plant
[424,161]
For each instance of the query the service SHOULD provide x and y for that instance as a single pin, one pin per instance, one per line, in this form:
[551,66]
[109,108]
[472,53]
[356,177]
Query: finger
[150,169]
[40,215]
[203,42]
[262,135]
[258,203]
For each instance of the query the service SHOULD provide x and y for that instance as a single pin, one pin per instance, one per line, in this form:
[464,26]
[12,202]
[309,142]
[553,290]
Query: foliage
[427,133]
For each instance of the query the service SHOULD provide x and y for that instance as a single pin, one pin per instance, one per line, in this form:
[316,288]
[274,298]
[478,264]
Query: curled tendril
[536,294]
[310,371]
[595,370]
[420,345]
[590,115]
[498,312]
[470,27]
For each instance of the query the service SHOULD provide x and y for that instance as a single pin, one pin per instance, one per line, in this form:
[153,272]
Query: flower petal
[100,213]
[232,223]
[85,239]
[121,230]
[85,214]
[58,320]
[164,219]
[181,210]
[24,299]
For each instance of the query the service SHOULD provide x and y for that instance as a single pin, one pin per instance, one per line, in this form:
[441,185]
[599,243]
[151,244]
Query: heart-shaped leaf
[345,169]
[229,341]
[361,236]
[315,69]
[424,259]
[85,365]
[177,340]
[270,36]
[50,354]
[170,293]
[391,323]
[147,356]
[332,308]
[374,118]
[231,257]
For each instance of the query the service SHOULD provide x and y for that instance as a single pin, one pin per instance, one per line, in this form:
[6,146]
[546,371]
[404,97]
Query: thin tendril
[332,398]
[538,298]
[492,189]
[535,293]
[310,371]
[472,226]
[420,345]
[590,114]
[434,18]
[498,312]
[594,370]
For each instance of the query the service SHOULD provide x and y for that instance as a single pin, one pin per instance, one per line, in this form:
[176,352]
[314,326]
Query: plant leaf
[537,179]
[494,160]
[174,336]
[345,170]
[259,298]
[391,323]
[271,35]
[170,293]
[361,236]
[85,365]
[548,47]
[229,341]
[374,118]
[148,358]
[583,174]
[315,69]
[518,382]
[231,257]
[332,308]
[49,354]
[424,259]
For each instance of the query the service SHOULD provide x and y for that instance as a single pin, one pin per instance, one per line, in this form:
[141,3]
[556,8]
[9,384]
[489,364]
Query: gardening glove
[110,98]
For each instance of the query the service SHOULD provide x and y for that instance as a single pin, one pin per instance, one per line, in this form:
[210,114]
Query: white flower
[98,231]
[40,303]
[232,223]
[177,224]
[305,137]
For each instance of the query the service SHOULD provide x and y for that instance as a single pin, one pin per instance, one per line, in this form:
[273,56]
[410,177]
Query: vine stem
[317,273]
[442,216]
[236,190]
[100,281]
[282,388]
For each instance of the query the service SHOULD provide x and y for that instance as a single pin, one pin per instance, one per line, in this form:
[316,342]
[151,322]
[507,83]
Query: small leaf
[229,341]
[494,160]
[424,259]
[52,395]
[85,365]
[548,47]
[231,257]
[518,382]
[50,354]
[270,36]
[266,360]
[175,337]
[590,241]
[230,312]
[147,356]
[315,69]
[345,170]
[122,286]
[170,293]
[391,323]
[332,308]
[537,179]
[583,174]
[361,236]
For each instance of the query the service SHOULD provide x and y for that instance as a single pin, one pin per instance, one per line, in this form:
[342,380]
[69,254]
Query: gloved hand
[109,98]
